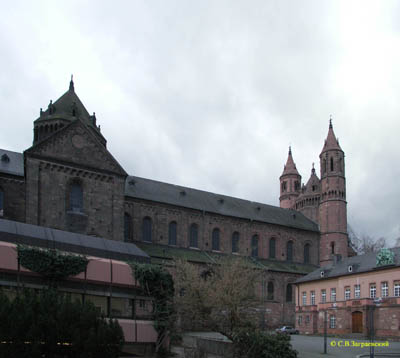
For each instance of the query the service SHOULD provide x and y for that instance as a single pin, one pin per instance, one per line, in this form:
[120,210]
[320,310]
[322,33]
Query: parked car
[287,330]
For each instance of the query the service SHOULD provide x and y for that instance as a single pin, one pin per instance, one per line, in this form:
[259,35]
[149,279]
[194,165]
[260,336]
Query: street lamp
[375,302]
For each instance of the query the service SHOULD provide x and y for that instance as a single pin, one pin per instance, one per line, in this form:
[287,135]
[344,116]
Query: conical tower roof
[67,106]
[331,142]
[290,166]
[313,182]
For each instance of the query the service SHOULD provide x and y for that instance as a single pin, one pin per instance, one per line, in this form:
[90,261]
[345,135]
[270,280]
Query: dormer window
[350,268]
[5,158]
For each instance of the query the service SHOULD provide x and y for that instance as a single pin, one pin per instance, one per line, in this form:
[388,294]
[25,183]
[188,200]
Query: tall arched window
[76,197]
[307,253]
[193,235]
[172,233]
[146,229]
[215,239]
[289,293]
[127,227]
[270,291]
[1,202]
[235,242]
[289,249]
[272,243]
[254,246]
[332,248]
[331,164]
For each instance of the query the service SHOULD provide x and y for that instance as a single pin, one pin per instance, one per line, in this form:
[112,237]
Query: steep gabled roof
[156,191]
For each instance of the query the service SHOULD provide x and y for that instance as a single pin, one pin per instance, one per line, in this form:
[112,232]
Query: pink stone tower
[333,205]
[290,181]
[321,200]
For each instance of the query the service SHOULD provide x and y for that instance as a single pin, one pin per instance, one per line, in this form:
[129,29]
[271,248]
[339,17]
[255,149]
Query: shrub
[49,324]
[253,343]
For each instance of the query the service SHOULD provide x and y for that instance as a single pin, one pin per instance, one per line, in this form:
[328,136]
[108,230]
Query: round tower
[333,205]
[290,181]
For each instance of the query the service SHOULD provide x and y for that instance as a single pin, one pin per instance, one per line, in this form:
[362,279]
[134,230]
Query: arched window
[76,197]
[127,227]
[272,243]
[332,248]
[235,242]
[307,253]
[194,233]
[172,233]
[289,251]
[1,202]
[289,293]
[331,164]
[215,239]
[254,246]
[270,291]
[146,229]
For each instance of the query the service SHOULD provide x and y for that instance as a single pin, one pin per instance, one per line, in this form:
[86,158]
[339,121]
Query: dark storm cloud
[210,94]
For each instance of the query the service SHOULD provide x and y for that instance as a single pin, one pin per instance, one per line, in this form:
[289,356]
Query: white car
[287,330]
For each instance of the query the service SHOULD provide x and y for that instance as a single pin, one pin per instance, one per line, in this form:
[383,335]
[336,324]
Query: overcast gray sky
[210,94]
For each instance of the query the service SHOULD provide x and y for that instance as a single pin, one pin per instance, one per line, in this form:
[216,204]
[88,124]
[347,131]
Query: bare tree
[217,296]
[365,244]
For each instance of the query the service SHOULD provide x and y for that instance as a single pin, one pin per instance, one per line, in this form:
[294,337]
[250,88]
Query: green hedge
[52,264]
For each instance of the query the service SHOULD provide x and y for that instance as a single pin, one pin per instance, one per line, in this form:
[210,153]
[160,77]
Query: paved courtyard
[312,347]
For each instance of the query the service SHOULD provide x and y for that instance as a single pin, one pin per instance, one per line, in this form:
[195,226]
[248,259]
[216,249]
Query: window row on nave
[236,240]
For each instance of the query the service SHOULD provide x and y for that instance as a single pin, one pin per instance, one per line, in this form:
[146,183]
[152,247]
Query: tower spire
[71,84]
[290,183]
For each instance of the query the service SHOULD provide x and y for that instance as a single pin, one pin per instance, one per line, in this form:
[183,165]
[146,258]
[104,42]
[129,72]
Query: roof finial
[330,121]
[71,84]
[313,169]
[290,150]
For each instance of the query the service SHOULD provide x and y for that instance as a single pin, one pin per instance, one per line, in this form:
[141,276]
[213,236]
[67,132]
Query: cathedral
[321,200]
[68,181]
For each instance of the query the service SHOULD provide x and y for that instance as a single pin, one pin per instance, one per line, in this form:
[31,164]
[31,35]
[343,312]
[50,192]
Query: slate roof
[156,191]
[63,105]
[290,166]
[26,234]
[361,263]
[14,165]
[152,190]
[162,254]
[331,142]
